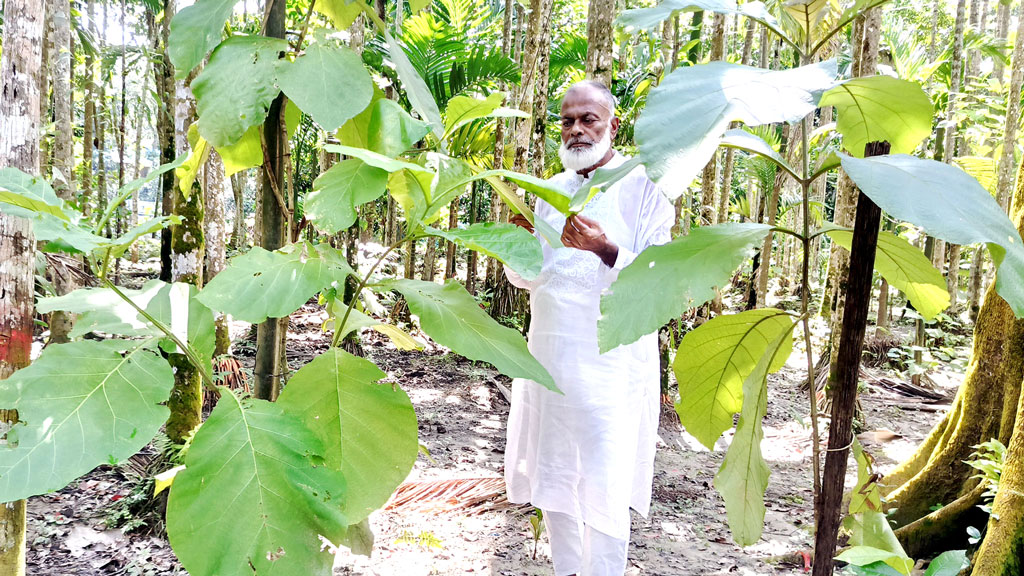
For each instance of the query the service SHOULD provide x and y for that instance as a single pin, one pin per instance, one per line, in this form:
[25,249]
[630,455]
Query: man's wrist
[609,254]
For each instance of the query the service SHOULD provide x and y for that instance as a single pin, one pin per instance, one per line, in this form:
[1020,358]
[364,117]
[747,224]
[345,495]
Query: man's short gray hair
[606,94]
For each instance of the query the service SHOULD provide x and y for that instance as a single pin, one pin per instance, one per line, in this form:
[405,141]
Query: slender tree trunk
[974,282]
[429,269]
[771,212]
[63,146]
[1007,164]
[450,249]
[46,70]
[164,79]
[187,248]
[20,68]
[268,369]
[599,40]
[882,314]
[102,114]
[709,177]
[471,257]
[1002,29]
[215,235]
[238,191]
[865,43]
[140,110]
[862,260]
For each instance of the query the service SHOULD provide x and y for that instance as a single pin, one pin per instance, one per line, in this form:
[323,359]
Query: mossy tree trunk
[986,407]
[187,250]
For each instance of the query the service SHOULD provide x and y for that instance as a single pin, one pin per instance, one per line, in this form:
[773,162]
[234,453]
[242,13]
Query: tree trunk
[840,436]
[709,177]
[20,68]
[215,235]
[450,249]
[63,147]
[140,110]
[771,212]
[1002,29]
[882,314]
[953,278]
[238,192]
[471,256]
[599,40]
[102,113]
[1002,551]
[985,408]
[187,248]
[164,81]
[268,369]
[865,64]
[974,283]
[1004,171]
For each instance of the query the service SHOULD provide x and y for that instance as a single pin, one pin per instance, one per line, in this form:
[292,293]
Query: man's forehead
[585,99]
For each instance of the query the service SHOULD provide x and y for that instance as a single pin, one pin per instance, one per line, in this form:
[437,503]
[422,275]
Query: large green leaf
[508,243]
[603,179]
[102,310]
[80,405]
[246,153]
[949,563]
[31,193]
[462,110]
[327,82]
[195,30]
[638,19]
[907,269]
[541,188]
[743,140]
[259,284]
[716,359]
[412,191]
[677,136]
[451,316]
[341,12]
[451,177]
[392,130]
[236,87]
[743,477]
[880,108]
[866,555]
[254,496]
[336,194]
[375,159]
[356,132]
[665,281]
[368,430]
[415,88]
[950,205]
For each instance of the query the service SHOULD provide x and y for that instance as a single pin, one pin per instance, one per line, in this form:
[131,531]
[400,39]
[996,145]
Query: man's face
[585,118]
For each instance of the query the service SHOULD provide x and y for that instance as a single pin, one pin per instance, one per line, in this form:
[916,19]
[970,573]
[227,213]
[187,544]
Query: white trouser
[579,549]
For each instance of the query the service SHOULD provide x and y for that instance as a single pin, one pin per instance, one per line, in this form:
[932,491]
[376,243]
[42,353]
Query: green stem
[203,370]
[792,233]
[338,326]
[804,305]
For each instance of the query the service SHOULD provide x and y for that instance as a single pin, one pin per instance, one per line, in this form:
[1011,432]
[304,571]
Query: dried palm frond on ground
[468,496]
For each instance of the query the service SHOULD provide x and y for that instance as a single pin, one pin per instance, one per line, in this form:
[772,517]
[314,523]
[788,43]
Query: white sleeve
[517,280]
[655,220]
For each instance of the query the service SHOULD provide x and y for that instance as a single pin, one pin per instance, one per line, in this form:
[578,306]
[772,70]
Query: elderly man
[585,457]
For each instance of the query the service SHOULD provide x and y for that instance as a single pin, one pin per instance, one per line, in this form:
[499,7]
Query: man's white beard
[577,159]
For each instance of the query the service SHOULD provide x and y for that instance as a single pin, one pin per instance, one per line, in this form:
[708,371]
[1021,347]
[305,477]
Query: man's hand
[582,233]
[522,222]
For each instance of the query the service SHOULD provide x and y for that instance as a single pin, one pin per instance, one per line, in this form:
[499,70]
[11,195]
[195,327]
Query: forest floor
[462,410]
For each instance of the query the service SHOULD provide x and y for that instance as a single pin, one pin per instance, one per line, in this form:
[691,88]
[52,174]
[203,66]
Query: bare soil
[462,413]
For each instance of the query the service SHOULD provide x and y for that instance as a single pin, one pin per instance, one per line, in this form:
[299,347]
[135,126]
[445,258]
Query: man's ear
[614,127]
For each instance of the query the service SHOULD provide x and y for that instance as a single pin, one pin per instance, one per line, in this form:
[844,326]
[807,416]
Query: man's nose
[576,129]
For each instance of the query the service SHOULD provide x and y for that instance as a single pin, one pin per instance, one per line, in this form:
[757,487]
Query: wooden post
[844,396]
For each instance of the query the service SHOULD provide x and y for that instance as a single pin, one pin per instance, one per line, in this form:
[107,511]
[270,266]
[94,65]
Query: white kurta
[589,452]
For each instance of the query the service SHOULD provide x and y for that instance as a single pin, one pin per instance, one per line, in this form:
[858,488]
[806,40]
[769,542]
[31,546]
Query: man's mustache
[575,141]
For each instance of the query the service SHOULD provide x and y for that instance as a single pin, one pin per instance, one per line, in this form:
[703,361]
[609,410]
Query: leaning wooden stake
[844,395]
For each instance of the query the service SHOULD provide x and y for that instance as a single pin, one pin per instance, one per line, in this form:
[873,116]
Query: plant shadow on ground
[462,413]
